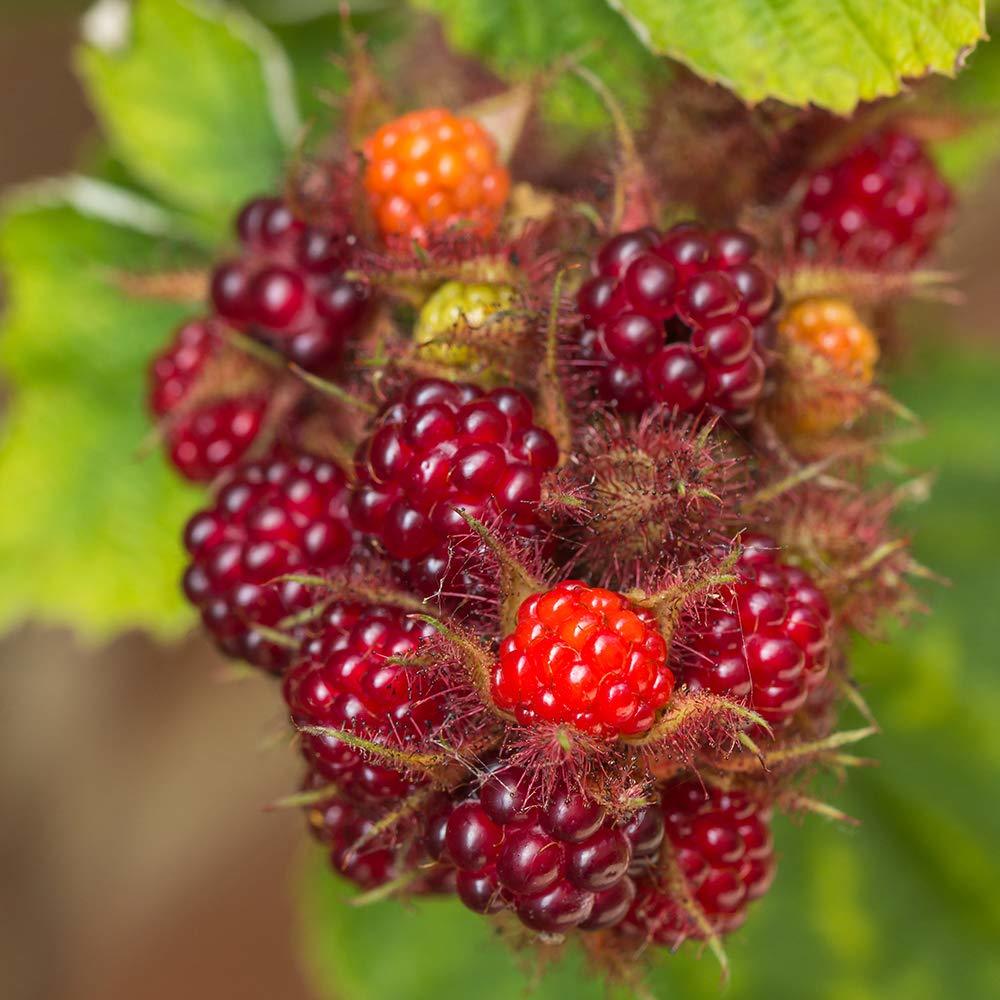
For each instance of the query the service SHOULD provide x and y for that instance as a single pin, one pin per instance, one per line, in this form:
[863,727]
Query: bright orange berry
[430,170]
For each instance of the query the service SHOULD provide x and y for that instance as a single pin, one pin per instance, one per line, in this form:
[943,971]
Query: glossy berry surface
[677,318]
[456,304]
[442,446]
[883,202]
[838,345]
[431,170]
[343,681]
[722,846]
[206,433]
[765,642]
[583,656]
[345,827]
[559,863]
[288,287]
[281,516]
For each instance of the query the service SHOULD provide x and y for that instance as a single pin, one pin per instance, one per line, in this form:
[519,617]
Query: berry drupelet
[765,641]
[721,845]
[429,171]
[285,515]
[205,433]
[288,288]
[583,656]
[344,680]
[677,318]
[882,203]
[560,864]
[443,446]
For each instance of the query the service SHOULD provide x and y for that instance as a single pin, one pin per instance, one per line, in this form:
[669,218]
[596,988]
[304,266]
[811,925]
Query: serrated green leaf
[89,530]
[519,38]
[831,53]
[198,102]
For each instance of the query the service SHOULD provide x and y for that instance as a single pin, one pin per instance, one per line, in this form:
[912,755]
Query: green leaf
[966,158]
[518,38]
[831,53]
[198,102]
[89,530]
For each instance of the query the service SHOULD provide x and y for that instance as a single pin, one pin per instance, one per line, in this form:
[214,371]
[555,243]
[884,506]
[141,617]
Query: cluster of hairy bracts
[557,652]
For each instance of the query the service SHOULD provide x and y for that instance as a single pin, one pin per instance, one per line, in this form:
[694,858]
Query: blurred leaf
[197,101]
[905,908]
[89,531]
[518,38]
[976,93]
[824,52]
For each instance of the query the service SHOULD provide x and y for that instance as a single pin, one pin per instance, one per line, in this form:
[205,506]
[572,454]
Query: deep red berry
[343,681]
[346,827]
[430,170]
[585,657]
[721,844]
[559,863]
[676,318]
[766,640]
[288,288]
[883,202]
[443,446]
[286,515]
[205,433]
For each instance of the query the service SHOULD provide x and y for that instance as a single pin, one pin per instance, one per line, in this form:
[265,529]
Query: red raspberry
[284,515]
[586,657]
[205,437]
[559,865]
[766,642]
[722,845]
[288,288]
[884,201]
[431,170]
[446,445]
[343,681]
[675,318]
[340,823]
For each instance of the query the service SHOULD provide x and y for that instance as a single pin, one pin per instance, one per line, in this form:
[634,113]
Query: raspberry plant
[544,488]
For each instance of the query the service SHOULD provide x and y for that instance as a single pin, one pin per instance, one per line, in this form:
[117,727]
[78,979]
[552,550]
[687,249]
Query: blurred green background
[134,859]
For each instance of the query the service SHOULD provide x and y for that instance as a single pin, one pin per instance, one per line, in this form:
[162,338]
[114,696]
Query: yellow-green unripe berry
[454,308]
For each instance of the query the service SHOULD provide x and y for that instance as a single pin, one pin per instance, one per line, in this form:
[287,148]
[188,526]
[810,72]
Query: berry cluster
[675,318]
[209,430]
[883,202]
[288,287]
[446,447]
[536,637]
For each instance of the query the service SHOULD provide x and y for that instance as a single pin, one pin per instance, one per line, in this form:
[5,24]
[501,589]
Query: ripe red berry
[286,515]
[765,642]
[676,318]
[585,657]
[346,827]
[883,202]
[559,863]
[204,436]
[442,446]
[288,289]
[431,170]
[722,845]
[343,681]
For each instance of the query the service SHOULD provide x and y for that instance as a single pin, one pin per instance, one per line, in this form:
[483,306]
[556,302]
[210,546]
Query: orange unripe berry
[830,358]
[430,170]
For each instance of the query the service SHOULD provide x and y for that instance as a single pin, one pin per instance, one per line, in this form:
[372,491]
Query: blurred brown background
[134,859]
